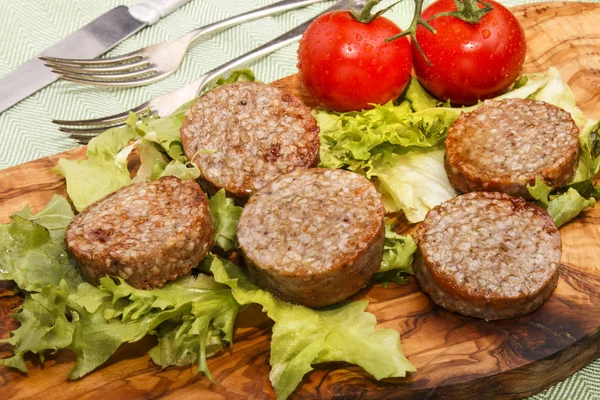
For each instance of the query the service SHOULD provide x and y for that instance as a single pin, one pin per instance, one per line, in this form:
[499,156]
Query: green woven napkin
[27,27]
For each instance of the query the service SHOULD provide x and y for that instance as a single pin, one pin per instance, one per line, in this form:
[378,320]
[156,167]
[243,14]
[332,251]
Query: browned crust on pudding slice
[147,233]
[488,255]
[505,144]
[245,134]
[313,237]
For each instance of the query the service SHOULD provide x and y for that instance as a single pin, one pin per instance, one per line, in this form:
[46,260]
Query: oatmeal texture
[147,233]
[245,134]
[313,236]
[488,254]
[505,144]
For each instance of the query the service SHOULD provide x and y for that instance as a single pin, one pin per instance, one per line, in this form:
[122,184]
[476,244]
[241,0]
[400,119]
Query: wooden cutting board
[456,357]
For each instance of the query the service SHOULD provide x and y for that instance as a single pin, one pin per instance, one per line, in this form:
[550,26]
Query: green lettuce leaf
[240,75]
[400,146]
[30,257]
[589,152]
[186,343]
[562,206]
[302,336]
[202,334]
[88,181]
[567,206]
[198,314]
[524,88]
[396,262]
[55,217]
[156,139]
[418,97]
[540,192]
[104,171]
[94,321]
[225,216]
[556,91]
[44,325]
[566,202]
[165,133]
[358,140]
[187,170]
[95,340]
[113,314]
[88,296]
[413,182]
[152,162]
[105,147]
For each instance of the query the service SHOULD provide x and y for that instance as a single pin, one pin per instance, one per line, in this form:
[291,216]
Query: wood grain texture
[456,357]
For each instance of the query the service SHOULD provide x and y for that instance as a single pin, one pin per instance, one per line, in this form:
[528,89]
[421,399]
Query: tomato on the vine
[469,62]
[345,64]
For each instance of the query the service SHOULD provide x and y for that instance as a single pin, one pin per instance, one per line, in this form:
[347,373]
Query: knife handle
[150,11]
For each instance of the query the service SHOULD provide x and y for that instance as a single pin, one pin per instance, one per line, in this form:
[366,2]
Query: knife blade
[92,40]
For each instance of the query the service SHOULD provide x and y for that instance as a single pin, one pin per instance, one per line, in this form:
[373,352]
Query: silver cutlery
[161,106]
[153,63]
[92,40]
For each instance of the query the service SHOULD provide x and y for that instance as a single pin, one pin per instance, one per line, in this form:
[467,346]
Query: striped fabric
[29,26]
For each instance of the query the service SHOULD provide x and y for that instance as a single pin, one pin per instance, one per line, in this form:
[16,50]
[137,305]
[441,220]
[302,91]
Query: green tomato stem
[468,11]
[365,15]
[412,29]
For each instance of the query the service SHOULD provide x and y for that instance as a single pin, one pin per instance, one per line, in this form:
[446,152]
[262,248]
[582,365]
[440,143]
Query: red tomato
[469,62]
[345,64]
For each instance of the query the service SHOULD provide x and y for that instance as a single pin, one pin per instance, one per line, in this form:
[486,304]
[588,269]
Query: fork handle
[150,11]
[267,48]
[274,8]
[173,100]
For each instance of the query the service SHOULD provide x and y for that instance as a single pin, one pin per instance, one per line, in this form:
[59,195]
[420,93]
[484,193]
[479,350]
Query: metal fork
[84,130]
[153,63]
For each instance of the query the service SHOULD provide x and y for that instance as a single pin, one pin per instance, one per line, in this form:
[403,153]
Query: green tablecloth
[29,26]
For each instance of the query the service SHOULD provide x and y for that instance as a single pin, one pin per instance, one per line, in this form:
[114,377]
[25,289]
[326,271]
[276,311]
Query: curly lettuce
[192,317]
[399,146]
[32,249]
[303,337]
[397,258]
[413,182]
[565,203]
[157,142]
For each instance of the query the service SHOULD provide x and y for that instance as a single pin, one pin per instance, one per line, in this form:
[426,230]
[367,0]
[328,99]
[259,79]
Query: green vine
[412,29]
[365,15]
[467,10]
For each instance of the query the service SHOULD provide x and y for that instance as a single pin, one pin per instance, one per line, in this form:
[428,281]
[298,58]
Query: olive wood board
[456,357]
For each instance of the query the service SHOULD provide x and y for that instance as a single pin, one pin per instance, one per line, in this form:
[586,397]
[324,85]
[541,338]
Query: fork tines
[126,71]
[85,130]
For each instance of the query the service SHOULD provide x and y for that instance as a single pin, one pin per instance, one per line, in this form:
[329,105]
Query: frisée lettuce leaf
[199,315]
[556,91]
[192,316]
[400,147]
[225,218]
[45,325]
[565,203]
[157,141]
[413,182]
[31,255]
[303,336]
[397,258]
[55,217]
[106,168]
